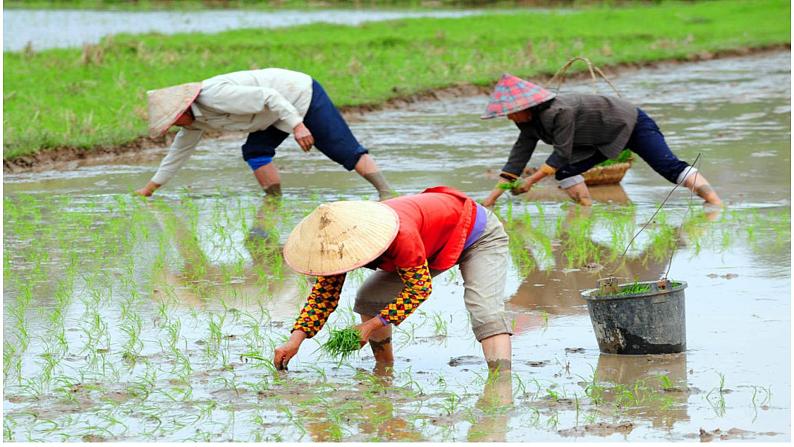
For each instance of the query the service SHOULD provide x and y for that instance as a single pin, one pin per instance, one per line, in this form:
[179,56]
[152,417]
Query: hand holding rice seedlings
[342,343]
[506,186]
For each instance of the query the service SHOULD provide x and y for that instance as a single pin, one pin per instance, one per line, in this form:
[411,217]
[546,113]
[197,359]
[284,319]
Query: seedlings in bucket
[608,289]
[342,343]
[634,289]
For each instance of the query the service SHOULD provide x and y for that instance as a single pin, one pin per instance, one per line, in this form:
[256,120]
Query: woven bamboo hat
[513,94]
[167,104]
[340,236]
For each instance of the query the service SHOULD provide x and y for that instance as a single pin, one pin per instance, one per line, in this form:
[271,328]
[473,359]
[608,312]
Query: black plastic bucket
[652,322]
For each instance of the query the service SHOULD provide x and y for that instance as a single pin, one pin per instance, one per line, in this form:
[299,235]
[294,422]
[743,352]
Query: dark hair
[541,107]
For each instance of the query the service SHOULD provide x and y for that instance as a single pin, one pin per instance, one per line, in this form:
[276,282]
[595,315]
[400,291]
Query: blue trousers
[646,141]
[332,135]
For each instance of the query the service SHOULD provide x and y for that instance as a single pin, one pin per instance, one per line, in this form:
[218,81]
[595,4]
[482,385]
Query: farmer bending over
[269,104]
[584,131]
[408,240]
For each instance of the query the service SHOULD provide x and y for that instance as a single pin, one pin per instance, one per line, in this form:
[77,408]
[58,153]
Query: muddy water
[42,29]
[128,320]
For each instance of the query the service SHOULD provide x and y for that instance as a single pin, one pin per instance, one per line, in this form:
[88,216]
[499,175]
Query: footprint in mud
[537,363]
[734,433]
[465,360]
[599,429]
[725,276]
[573,350]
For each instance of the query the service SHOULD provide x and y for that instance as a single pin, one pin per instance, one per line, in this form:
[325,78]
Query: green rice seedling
[440,324]
[593,390]
[577,407]
[451,403]
[506,186]
[554,420]
[113,421]
[545,316]
[11,361]
[576,239]
[342,343]
[666,382]
[215,335]
[407,331]
[520,387]
[132,327]
[410,386]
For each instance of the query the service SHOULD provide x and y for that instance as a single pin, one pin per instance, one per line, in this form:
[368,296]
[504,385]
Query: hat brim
[163,125]
[517,108]
[332,264]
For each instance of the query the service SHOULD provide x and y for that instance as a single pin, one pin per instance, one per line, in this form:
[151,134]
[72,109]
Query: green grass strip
[95,96]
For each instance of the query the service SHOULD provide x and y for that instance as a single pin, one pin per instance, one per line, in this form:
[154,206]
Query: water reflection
[198,281]
[495,404]
[548,191]
[555,289]
[651,387]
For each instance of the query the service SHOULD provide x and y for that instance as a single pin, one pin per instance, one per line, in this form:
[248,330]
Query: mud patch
[600,429]
[733,433]
[465,360]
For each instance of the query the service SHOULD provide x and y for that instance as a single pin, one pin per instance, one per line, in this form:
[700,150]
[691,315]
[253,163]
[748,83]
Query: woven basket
[606,175]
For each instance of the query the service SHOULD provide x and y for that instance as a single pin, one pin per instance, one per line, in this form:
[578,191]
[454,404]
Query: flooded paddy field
[130,319]
[59,28]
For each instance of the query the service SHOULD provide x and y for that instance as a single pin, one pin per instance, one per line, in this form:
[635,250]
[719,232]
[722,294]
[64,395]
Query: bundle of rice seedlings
[510,185]
[342,343]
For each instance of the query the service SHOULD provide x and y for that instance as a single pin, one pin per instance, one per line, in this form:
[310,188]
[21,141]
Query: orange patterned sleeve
[321,302]
[416,288]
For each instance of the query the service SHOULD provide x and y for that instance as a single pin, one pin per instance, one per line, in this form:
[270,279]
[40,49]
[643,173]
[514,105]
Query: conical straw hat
[340,236]
[167,104]
[513,94]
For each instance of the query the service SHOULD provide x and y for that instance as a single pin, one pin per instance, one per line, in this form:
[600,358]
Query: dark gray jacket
[577,126]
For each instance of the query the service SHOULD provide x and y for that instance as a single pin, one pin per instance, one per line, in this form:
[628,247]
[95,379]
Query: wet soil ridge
[106,113]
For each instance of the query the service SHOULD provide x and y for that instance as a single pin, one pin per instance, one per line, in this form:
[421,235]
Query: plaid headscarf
[513,94]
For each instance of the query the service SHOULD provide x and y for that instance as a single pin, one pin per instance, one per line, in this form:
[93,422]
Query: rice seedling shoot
[342,343]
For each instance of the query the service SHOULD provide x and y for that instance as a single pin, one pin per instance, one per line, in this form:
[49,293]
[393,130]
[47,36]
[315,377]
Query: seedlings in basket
[342,343]
[623,157]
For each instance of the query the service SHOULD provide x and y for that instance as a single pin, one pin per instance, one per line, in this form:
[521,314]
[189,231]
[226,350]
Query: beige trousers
[483,267]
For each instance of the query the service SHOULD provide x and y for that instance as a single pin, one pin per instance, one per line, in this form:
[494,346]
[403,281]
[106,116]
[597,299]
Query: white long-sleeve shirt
[243,101]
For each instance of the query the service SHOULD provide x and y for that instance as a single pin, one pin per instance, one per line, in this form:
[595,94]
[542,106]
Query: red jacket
[434,226]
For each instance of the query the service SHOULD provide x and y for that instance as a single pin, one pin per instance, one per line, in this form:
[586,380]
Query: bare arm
[180,151]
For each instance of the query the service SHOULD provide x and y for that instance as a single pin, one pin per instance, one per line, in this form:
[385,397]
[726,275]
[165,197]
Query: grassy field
[95,96]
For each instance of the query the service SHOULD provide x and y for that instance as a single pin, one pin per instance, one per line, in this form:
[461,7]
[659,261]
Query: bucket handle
[561,73]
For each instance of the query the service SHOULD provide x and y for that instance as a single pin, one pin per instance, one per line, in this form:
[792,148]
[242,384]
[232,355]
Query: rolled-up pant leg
[484,270]
[648,142]
[571,174]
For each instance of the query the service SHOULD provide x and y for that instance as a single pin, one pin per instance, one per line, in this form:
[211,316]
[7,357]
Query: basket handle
[560,75]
